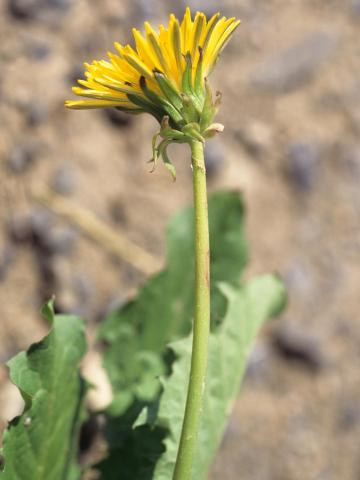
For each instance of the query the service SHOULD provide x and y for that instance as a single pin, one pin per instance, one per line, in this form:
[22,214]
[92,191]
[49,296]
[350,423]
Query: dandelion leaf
[248,306]
[147,450]
[136,335]
[40,444]
[144,421]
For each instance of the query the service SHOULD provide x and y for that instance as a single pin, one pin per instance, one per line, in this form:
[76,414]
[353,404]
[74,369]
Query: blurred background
[290,79]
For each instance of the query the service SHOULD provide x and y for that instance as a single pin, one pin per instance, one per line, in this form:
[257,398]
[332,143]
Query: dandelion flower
[164,75]
[163,65]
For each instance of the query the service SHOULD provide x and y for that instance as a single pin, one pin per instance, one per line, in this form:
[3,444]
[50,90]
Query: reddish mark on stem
[207,273]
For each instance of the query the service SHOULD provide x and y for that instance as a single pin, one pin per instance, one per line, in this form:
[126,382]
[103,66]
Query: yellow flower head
[164,66]
[164,75]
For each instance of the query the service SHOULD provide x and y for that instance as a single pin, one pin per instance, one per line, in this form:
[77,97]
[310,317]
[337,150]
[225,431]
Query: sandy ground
[291,107]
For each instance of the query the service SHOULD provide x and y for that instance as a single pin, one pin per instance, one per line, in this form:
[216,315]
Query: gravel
[292,67]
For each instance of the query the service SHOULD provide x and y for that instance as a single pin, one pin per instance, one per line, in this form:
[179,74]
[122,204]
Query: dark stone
[36,114]
[117,118]
[295,346]
[23,9]
[61,242]
[299,278]
[7,257]
[33,227]
[74,293]
[26,10]
[258,364]
[60,4]
[83,288]
[47,281]
[19,228]
[75,74]
[350,158]
[293,67]
[303,165]
[214,158]
[41,221]
[117,211]
[63,181]
[35,230]
[349,417]
[21,158]
[38,49]
[256,137]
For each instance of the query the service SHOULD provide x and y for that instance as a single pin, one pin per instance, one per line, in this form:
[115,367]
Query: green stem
[201,327]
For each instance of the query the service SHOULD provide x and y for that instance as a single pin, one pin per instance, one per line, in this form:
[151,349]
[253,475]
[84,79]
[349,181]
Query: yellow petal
[143,50]
[222,41]
[154,47]
[198,29]
[175,35]
[135,62]
[186,29]
[86,104]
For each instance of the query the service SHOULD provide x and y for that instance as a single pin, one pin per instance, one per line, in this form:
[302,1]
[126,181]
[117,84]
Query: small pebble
[23,9]
[41,221]
[117,118]
[349,417]
[259,362]
[7,257]
[33,227]
[297,347]
[214,157]
[61,241]
[27,10]
[47,281]
[117,211]
[36,113]
[293,67]
[255,136]
[350,158]
[64,181]
[21,158]
[303,165]
[74,291]
[75,74]
[19,228]
[38,49]
[60,4]
[83,287]
[298,277]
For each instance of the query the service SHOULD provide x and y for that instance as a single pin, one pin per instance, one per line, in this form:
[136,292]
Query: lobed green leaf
[148,449]
[40,444]
[248,306]
[137,334]
[144,421]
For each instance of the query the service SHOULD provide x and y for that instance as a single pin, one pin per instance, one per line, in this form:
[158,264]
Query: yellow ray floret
[173,61]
